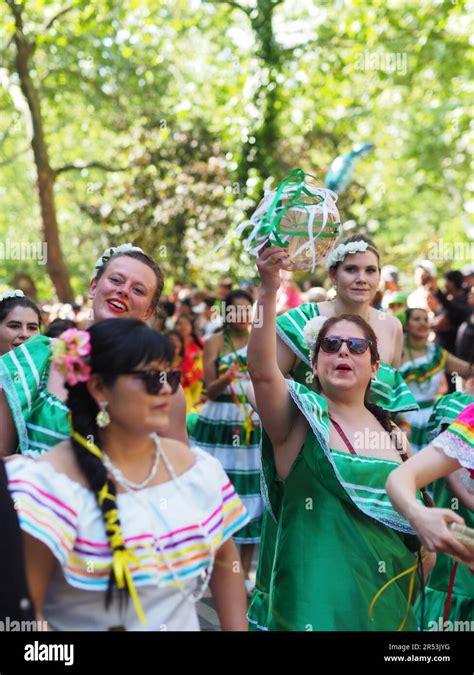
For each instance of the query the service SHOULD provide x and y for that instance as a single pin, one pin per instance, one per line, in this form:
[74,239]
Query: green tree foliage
[165,119]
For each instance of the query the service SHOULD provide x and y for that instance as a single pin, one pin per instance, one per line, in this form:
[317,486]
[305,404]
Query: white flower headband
[11,294]
[106,255]
[342,250]
[312,330]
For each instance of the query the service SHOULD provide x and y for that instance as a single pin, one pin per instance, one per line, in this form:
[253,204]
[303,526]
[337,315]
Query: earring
[103,417]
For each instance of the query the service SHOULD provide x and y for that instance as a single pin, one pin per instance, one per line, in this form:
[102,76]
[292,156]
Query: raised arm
[430,524]
[286,360]
[274,404]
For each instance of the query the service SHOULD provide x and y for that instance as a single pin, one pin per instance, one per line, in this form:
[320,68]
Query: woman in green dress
[227,427]
[326,458]
[354,269]
[126,283]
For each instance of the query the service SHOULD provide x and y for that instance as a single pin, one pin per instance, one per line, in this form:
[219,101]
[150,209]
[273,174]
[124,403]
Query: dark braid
[382,415]
[83,413]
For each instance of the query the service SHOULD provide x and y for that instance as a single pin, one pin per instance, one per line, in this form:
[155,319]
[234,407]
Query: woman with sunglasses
[125,529]
[126,283]
[327,453]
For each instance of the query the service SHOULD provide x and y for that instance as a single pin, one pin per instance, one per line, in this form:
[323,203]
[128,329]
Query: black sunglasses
[331,345]
[155,380]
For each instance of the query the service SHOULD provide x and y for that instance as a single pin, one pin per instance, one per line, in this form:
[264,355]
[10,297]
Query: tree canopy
[163,121]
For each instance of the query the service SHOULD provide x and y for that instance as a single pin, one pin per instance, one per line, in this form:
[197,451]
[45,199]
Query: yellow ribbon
[121,561]
[248,426]
[411,587]
[88,445]
[240,402]
[122,557]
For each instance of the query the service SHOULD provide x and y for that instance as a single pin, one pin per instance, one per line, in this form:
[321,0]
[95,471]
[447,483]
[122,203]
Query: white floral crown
[108,253]
[312,330]
[342,250]
[11,294]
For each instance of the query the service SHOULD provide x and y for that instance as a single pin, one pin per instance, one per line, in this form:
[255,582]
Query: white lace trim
[454,447]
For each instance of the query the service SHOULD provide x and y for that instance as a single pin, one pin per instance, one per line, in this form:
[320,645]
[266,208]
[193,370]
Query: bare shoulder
[325,308]
[179,454]
[386,323]
[392,321]
[62,458]
[214,344]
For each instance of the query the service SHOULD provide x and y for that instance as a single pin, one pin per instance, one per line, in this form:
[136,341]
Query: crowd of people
[154,445]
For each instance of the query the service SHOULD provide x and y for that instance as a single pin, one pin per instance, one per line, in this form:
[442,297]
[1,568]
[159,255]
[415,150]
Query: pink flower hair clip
[69,352]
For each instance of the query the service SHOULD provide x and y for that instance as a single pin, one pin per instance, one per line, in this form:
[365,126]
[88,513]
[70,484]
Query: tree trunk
[46,176]
[262,154]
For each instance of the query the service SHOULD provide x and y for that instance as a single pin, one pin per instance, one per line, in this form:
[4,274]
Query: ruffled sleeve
[47,504]
[21,374]
[290,327]
[458,439]
[390,392]
[232,514]
[445,411]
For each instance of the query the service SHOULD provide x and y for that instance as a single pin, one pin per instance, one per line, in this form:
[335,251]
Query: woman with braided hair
[125,529]
[127,283]
[327,453]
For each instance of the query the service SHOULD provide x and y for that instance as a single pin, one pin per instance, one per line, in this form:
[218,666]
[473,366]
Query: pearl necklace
[125,482]
[193,596]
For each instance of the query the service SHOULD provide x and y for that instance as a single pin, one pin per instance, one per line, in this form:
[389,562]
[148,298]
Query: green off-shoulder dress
[41,419]
[338,539]
[388,390]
